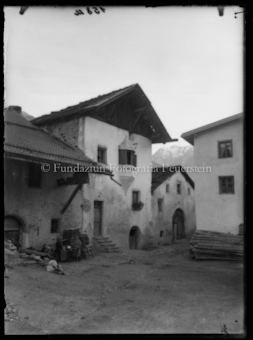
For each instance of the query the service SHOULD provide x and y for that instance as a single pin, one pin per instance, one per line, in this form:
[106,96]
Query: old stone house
[219,192]
[117,130]
[39,201]
[173,203]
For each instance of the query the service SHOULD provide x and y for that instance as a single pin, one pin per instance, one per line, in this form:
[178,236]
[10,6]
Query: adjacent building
[173,203]
[219,191]
[40,201]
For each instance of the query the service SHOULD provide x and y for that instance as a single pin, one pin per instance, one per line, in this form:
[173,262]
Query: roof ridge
[85,101]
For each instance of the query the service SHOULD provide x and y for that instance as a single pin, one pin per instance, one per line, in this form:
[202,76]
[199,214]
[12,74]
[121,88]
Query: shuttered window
[127,157]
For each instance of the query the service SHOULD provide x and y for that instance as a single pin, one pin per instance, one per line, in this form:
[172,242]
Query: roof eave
[189,135]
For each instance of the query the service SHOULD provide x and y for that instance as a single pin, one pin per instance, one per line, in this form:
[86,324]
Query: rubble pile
[14,256]
[10,313]
[210,245]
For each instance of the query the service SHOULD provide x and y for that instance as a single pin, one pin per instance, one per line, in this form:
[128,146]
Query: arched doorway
[13,230]
[178,225]
[134,237]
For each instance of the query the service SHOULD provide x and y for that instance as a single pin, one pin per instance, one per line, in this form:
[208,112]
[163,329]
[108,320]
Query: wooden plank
[78,187]
[35,252]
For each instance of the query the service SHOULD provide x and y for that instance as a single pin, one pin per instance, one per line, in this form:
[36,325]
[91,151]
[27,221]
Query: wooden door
[98,218]
[134,236]
[178,225]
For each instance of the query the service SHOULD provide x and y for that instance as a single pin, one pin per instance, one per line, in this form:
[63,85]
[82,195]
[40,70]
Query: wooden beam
[78,187]
[136,120]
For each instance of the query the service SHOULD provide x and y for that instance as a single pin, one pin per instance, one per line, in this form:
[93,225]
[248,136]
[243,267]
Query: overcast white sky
[187,60]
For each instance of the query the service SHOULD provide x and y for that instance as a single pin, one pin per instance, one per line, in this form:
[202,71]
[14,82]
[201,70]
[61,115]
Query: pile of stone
[210,245]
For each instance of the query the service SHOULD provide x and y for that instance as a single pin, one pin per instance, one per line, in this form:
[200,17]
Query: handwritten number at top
[89,11]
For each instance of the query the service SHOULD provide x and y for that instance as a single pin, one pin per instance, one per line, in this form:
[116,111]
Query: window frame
[104,150]
[179,192]
[160,204]
[219,148]
[34,175]
[127,157]
[133,196]
[58,225]
[221,186]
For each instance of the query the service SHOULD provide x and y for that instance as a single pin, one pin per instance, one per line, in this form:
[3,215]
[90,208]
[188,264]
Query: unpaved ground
[159,291]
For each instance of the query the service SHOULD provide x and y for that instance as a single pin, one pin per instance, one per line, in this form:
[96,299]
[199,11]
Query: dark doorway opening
[178,225]
[12,230]
[98,206]
[134,237]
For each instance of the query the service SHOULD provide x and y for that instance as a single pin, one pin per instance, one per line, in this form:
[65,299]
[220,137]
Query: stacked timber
[211,245]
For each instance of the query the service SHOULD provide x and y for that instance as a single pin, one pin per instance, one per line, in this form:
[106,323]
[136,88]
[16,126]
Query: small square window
[225,149]
[35,175]
[226,184]
[55,225]
[102,155]
[160,204]
[167,188]
[179,188]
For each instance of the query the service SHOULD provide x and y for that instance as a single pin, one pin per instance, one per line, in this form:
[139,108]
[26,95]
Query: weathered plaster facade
[117,215]
[123,125]
[35,207]
[172,201]
[215,211]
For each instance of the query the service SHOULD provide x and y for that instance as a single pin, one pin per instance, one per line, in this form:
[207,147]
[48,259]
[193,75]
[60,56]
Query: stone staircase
[104,244]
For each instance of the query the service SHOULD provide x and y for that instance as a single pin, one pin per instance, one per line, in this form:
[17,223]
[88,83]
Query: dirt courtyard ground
[162,291]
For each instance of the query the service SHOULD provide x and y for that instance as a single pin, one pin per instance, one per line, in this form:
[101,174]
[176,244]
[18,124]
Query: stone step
[110,246]
[104,241]
[107,244]
[100,238]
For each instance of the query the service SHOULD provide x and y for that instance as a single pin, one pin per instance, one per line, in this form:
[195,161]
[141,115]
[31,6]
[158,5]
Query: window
[225,149]
[35,175]
[55,225]
[127,157]
[167,188]
[226,184]
[189,191]
[160,204]
[179,188]
[102,155]
[136,197]
[161,233]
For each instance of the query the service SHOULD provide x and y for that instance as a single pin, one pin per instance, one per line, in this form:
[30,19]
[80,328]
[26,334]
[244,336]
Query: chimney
[17,109]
